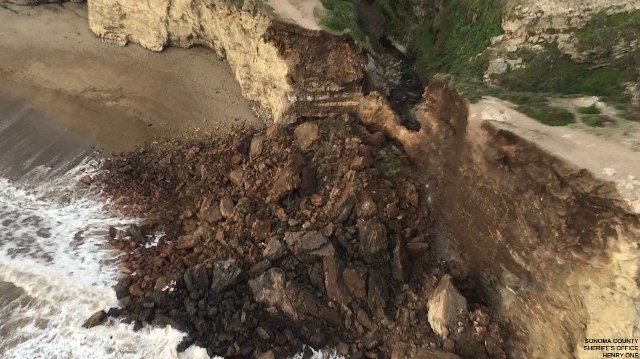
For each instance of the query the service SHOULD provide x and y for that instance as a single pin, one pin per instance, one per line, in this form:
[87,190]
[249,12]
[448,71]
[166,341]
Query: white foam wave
[311,353]
[52,248]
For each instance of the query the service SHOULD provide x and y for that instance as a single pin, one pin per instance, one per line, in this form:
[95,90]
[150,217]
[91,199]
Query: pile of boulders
[318,234]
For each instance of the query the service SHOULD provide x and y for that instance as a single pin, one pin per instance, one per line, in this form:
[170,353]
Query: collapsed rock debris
[317,234]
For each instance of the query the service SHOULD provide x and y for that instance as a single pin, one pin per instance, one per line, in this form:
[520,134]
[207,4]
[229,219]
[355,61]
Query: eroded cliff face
[534,22]
[286,70]
[563,25]
[553,248]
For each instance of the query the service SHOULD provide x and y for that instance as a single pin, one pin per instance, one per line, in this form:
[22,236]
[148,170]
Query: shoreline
[120,97]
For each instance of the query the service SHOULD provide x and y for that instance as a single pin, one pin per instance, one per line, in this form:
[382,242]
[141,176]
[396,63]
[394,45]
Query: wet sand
[120,97]
[30,139]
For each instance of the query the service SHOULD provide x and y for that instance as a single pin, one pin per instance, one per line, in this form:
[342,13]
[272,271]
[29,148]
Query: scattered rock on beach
[98,318]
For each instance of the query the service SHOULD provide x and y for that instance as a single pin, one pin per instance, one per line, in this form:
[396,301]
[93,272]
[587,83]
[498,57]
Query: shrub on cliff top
[553,72]
[606,31]
[339,17]
[549,115]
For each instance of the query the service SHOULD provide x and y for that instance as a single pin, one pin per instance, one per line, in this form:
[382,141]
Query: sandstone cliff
[532,25]
[287,70]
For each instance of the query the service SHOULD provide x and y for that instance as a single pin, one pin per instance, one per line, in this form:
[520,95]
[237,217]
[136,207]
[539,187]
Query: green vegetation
[262,4]
[451,38]
[593,120]
[533,104]
[549,115]
[339,18]
[552,72]
[448,36]
[390,162]
[591,110]
[237,3]
[605,31]
[268,9]
[240,207]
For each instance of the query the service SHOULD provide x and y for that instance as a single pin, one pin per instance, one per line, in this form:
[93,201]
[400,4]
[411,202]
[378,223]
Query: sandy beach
[120,97]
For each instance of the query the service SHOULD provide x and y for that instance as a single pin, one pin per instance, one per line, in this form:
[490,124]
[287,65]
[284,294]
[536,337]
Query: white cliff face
[531,25]
[235,34]
[526,16]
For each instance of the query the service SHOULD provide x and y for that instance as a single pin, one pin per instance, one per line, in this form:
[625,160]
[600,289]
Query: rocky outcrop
[536,25]
[533,22]
[286,70]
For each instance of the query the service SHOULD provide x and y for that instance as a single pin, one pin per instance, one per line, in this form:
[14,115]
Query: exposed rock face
[286,70]
[529,21]
[373,240]
[532,25]
[306,134]
[548,236]
[270,288]
[225,274]
[196,279]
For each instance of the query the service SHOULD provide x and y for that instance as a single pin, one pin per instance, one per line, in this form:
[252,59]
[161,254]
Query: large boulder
[196,278]
[96,319]
[226,274]
[304,242]
[306,135]
[355,281]
[270,288]
[446,306]
[286,180]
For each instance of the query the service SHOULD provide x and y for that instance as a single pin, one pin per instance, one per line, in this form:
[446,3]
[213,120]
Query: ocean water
[55,267]
[55,271]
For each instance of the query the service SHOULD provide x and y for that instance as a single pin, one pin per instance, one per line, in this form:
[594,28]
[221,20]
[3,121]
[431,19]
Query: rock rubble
[313,234]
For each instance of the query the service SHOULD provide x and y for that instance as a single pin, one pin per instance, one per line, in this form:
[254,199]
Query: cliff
[597,40]
[285,69]
[529,24]
[543,49]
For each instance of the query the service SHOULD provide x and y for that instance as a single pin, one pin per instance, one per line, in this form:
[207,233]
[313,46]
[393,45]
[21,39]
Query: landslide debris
[317,234]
